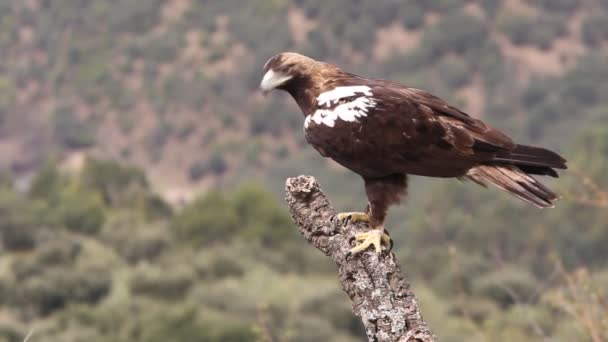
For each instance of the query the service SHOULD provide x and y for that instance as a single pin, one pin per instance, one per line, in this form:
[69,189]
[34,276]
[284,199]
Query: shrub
[523,29]
[217,163]
[442,5]
[55,287]
[457,32]
[208,219]
[58,252]
[48,182]
[491,65]
[126,123]
[162,49]
[455,71]
[161,134]
[18,229]
[197,170]
[266,119]
[537,92]
[269,16]
[595,29]
[186,131]
[111,179]
[490,6]
[81,212]
[184,325]
[70,131]
[506,287]
[362,36]
[133,239]
[546,30]
[228,119]
[162,284]
[135,16]
[556,5]
[516,26]
[8,92]
[225,266]
[261,217]
[411,14]
[332,307]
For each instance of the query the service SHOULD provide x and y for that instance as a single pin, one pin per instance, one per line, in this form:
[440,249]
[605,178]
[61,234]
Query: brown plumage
[383,131]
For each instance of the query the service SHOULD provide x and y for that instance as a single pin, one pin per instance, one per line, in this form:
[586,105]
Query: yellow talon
[374,237]
[353,216]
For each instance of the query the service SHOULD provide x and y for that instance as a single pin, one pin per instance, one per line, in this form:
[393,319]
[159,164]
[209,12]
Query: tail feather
[513,180]
[534,160]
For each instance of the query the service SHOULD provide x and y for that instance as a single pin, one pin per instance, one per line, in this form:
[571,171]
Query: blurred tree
[207,220]
[261,217]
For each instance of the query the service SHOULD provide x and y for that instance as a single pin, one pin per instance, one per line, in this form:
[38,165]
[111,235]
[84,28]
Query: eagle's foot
[374,237]
[353,217]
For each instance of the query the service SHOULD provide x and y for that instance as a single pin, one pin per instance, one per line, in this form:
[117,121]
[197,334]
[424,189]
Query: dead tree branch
[380,295]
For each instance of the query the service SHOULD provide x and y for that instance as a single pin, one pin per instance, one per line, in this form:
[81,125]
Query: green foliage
[266,119]
[523,29]
[158,137]
[458,33]
[81,211]
[122,232]
[332,307]
[161,49]
[112,180]
[17,226]
[556,5]
[70,131]
[261,217]
[184,326]
[516,26]
[54,288]
[164,284]
[595,30]
[207,220]
[490,6]
[249,213]
[506,287]
[412,14]
[215,165]
[102,257]
[580,89]
[456,72]
[135,16]
[48,182]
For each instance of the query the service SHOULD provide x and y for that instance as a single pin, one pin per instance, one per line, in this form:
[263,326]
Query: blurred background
[142,172]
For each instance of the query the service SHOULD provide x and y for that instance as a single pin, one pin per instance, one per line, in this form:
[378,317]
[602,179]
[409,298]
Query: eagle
[384,131]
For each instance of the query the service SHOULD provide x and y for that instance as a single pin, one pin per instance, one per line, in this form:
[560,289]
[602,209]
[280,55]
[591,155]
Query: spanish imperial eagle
[383,131]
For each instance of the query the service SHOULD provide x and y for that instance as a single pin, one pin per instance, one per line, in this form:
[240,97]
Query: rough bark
[380,295]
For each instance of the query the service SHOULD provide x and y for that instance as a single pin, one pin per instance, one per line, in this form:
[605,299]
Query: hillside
[140,189]
[170,85]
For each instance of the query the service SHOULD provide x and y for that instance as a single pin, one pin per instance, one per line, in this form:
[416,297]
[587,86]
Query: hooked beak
[273,79]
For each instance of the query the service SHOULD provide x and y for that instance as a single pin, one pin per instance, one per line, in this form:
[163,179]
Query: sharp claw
[373,238]
[361,237]
[377,246]
[353,217]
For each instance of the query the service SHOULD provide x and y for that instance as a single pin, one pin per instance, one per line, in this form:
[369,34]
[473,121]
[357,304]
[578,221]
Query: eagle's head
[286,70]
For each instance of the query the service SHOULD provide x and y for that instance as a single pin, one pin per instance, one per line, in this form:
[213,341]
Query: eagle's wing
[464,134]
[449,134]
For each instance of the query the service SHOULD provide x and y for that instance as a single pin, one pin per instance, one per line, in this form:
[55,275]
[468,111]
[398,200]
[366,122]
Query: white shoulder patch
[347,111]
[334,95]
